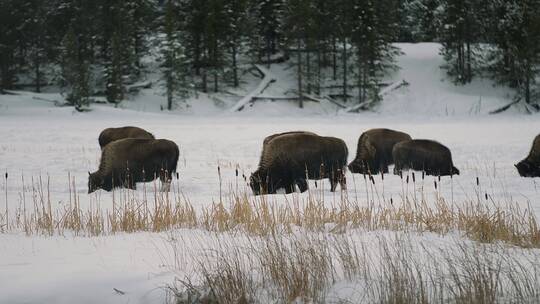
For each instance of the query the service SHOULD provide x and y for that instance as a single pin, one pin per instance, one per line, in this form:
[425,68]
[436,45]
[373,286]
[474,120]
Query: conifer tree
[174,65]
[75,77]
[516,59]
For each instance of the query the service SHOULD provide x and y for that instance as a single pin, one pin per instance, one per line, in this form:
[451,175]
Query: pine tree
[418,20]
[194,14]
[459,34]
[299,21]
[114,70]
[267,14]
[237,30]
[344,31]
[516,59]
[75,76]
[372,36]
[9,14]
[175,67]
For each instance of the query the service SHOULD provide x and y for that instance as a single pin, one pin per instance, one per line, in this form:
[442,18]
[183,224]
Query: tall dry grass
[479,217]
[308,267]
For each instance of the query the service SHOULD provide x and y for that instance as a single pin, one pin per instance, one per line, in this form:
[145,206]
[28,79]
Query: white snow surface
[39,139]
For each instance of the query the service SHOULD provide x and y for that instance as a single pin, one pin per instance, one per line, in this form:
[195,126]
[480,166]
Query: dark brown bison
[530,166]
[127,161]
[374,152]
[289,159]
[424,155]
[111,134]
[267,139]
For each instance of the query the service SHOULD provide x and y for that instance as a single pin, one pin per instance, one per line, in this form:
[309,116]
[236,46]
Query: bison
[374,152]
[424,155]
[530,166]
[127,161]
[267,139]
[111,134]
[289,159]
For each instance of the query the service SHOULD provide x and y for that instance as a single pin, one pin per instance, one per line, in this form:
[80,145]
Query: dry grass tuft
[152,210]
[304,267]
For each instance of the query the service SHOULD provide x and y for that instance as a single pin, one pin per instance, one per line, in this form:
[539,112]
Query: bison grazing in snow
[530,166]
[423,155]
[128,161]
[111,134]
[374,152]
[289,159]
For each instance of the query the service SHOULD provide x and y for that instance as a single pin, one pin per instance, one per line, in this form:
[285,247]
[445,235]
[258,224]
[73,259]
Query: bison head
[358,166]
[527,169]
[455,171]
[255,184]
[365,162]
[95,182]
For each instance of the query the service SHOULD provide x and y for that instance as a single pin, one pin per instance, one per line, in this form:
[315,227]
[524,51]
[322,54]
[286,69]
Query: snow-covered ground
[39,139]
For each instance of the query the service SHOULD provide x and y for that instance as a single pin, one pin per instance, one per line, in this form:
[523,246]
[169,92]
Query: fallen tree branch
[136,87]
[323,98]
[367,104]
[506,107]
[267,80]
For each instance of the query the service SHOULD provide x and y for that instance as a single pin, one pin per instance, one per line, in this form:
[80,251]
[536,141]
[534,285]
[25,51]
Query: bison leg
[334,180]
[131,185]
[397,169]
[302,185]
[342,181]
[290,188]
[166,186]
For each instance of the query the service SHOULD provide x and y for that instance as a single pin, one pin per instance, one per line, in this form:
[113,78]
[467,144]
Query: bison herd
[288,160]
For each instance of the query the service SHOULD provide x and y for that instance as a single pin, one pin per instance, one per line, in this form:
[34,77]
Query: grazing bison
[289,159]
[374,152]
[530,166]
[111,134]
[127,161]
[267,139]
[423,155]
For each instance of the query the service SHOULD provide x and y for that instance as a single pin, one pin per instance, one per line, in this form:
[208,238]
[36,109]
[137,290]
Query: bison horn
[89,173]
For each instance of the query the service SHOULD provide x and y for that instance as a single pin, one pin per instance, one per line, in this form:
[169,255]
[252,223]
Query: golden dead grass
[152,210]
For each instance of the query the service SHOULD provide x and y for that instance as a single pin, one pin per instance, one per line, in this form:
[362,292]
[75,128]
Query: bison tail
[175,160]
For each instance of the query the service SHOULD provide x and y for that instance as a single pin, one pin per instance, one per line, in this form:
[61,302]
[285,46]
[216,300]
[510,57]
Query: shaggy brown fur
[423,155]
[111,134]
[530,166]
[287,160]
[374,152]
[127,161]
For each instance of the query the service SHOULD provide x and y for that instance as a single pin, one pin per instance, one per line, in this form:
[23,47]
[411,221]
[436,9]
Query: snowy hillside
[41,140]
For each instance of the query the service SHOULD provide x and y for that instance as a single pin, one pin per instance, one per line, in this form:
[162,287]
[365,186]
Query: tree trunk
[216,79]
[308,74]
[334,58]
[204,81]
[197,59]
[169,90]
[38,74]
[345,82]
[299,63]
[235,66]
[469,63]
[268,53]
[318,84]
[528,86]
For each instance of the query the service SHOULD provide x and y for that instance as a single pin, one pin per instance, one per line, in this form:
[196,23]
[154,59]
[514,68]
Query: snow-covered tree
[75,75]
[460,33]
[174,65]
[515,60]
[373,31]
[268,27]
